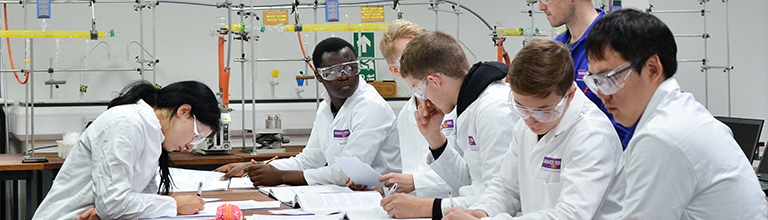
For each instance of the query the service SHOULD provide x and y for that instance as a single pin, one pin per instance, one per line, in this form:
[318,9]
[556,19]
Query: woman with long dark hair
[110,173]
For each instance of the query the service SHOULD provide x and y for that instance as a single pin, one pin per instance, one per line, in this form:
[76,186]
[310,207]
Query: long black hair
[170,97]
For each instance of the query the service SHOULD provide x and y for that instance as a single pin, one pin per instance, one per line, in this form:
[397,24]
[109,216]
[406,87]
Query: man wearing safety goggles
[435,67]
[681,162]
[352,121]
[417,177]
[578,16]
[565,158]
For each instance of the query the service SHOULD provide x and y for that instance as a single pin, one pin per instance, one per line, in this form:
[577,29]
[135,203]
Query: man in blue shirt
[578,16]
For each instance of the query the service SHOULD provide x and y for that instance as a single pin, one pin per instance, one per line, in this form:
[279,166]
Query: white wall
[186,50]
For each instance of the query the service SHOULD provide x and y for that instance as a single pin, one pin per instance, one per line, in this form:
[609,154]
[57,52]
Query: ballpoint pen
[200,189]
[391,190]
[267,162]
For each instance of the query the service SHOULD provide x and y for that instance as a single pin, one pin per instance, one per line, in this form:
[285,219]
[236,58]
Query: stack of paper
[328,202]
[338,216]
[361,173]
[287,194]
[186,180]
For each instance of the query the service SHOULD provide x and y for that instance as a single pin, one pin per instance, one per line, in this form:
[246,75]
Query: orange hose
[499,53]
[305,53]
[223,75]
[8,42]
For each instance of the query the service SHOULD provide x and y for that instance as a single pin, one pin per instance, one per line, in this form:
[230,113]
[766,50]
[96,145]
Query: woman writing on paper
[111,171]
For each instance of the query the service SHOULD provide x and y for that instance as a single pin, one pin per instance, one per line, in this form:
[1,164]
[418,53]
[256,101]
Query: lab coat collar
[570,116]
[666,88]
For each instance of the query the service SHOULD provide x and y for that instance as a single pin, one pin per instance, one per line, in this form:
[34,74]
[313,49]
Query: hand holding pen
[390,191]
[265,163]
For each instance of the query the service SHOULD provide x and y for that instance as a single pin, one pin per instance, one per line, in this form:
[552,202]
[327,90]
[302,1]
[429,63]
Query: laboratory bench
[37,177]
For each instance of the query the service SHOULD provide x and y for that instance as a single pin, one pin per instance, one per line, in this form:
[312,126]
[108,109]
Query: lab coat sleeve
[451,167]
[503,192]
[429,184]
[494,128]
[151,187]
[660,180]
[310,157]
[369,130]
[587,174]
[113,171]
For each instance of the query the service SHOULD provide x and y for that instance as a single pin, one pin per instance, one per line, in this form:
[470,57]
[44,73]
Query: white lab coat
[112,167]
[364,128]
[483,135]
[683,164]
[574,172]
[414,150]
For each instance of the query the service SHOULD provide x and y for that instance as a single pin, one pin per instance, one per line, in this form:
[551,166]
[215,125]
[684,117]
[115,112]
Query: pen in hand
[267,162]
[450,199]
[200,189]
[391,190]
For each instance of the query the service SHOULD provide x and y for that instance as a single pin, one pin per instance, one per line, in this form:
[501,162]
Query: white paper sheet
[361,173]
[240,183]
[328,202]
[287,194]
[186,180]
[339,216]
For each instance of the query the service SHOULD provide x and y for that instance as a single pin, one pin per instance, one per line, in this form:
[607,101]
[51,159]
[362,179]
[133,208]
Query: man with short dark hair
[435,67]
[681,163]
[352,121]
[578,16]
[565,158]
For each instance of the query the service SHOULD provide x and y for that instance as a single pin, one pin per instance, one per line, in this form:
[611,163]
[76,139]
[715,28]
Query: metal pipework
[73,70]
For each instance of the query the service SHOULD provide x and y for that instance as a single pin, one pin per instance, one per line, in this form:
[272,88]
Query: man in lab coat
[681,163]
[417,177]
[565,158]
[578,16]
[435,67]
[352,121]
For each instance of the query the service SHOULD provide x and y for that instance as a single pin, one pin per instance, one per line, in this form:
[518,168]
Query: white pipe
[75,70]
[706,60]
[242,75]
[728,55]
[141,41]
[154,46]
[253,76]
[317,83]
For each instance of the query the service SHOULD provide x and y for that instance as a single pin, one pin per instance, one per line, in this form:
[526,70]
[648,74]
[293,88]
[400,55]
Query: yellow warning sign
[275,17]
[372,13]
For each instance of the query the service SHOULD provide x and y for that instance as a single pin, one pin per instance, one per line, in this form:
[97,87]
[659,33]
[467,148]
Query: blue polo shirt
[578,53]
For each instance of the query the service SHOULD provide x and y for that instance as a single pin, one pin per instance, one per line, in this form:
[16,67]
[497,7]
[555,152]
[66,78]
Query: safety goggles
[546,114]
[418,89]
[545,2]
[351,69]
[199,135]
[396,62]
[610,82]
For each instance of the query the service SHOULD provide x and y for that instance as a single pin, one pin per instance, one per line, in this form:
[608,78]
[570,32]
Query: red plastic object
[229,212]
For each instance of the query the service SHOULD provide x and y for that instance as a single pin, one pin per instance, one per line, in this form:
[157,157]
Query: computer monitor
[762,169]
[746,132]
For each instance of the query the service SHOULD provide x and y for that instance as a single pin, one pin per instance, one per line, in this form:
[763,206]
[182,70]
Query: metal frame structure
[705,66]
[150,63]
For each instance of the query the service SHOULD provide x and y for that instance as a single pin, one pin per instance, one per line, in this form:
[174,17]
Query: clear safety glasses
[545,2]
[199,135]
[610,82]
[546,114]
[418,89]
[351,69]
[396,62]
